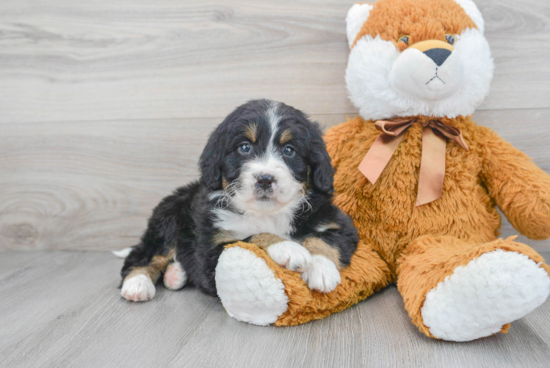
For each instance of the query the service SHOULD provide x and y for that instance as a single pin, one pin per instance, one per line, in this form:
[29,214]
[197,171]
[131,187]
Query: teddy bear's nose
[438,55]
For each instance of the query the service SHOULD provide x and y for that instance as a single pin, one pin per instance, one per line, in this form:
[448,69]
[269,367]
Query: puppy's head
[266,156]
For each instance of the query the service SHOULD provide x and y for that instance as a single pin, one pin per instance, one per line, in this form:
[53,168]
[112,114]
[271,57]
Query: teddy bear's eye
[450,38]
[404,39]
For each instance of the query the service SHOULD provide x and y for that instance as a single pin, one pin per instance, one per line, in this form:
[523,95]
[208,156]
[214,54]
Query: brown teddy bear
[421,181]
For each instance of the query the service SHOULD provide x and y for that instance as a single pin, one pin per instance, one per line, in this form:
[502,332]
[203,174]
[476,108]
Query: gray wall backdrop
[105,105]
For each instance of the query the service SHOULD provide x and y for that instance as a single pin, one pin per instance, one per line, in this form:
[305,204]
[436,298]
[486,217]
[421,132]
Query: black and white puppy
[266,178]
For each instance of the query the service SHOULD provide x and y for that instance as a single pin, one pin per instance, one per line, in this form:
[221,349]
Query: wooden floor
[63,309]
[105,107]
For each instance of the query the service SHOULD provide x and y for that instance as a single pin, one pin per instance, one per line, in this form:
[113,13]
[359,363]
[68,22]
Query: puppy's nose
[265,181]
[438,55]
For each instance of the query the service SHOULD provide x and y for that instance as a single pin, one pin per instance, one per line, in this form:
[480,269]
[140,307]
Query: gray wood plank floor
[63,309]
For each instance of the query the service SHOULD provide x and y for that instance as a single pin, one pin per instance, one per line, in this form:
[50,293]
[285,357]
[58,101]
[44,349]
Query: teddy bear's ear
[473,12]
[357,16]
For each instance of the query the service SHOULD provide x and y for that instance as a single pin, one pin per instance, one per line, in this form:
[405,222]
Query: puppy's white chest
[243,226]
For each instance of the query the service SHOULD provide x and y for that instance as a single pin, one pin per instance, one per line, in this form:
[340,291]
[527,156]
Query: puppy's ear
[322,173]
[211,160]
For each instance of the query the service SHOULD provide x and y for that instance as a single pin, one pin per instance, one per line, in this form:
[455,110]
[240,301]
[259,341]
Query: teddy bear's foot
[478,299]
[460,292]
[248,288]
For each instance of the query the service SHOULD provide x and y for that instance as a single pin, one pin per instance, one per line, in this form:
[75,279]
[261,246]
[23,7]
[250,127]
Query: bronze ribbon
[432,165]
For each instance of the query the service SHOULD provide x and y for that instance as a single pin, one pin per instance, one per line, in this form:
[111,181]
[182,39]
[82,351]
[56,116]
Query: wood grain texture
[105,106]
[78,185]
[104,60]
[63,309]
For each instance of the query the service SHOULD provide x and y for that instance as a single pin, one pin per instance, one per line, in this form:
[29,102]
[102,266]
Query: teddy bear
[422,182]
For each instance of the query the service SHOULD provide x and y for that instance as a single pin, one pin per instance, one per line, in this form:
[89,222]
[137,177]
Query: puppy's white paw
[139,288]
[322,274]
[175,277]
[290,255]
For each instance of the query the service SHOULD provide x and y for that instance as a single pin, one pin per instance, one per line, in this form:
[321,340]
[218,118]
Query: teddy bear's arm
[337,137]
[519,187]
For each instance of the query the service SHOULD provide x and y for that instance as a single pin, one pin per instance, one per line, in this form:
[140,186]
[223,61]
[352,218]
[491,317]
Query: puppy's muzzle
[265,181]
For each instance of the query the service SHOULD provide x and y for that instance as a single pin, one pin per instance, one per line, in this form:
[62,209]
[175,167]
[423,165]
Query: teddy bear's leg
[254,289]
[459,291]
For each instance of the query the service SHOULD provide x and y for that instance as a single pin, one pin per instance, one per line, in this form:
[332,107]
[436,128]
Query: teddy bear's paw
[290,255]
[139,288]
[322,274]
[478,299]
[175,276]
[248,288]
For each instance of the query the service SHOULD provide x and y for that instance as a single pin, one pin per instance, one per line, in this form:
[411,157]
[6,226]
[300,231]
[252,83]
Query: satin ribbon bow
[432,165]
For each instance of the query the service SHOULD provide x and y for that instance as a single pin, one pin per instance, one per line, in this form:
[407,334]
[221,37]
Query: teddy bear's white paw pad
[175,277]
[492,290]
[322,275]
[139,288]
[248,288]
[290,255]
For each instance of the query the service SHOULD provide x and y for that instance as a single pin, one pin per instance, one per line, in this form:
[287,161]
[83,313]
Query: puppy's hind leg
[139,284]
[175,276]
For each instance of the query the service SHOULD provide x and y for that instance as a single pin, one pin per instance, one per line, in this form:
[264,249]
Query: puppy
[266,178]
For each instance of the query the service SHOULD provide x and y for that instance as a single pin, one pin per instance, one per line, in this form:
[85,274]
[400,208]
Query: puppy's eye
[288,151]
[450,39]
[245,148]
[404,39]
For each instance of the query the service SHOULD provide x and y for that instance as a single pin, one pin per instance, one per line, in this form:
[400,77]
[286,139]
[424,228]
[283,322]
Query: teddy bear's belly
[385,213]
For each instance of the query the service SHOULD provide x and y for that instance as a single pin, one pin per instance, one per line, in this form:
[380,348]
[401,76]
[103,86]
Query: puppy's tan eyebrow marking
[286,136]
[251,132]
[225,183]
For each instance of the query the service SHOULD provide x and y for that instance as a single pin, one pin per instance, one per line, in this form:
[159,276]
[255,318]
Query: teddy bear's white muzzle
[432,75]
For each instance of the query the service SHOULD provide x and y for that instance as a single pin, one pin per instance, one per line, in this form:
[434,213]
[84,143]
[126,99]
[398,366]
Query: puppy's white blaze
[274,119]
[357,16]
[139,288]
[175,276]
[322,274]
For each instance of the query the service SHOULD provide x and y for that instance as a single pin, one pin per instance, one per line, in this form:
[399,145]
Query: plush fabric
[457,228]
[459,281]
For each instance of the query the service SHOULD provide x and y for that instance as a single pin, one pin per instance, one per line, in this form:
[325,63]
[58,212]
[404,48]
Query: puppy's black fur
[186,220]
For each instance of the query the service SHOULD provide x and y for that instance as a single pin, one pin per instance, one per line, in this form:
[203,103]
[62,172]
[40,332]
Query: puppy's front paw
[290,255]
[322,275]
[139,288]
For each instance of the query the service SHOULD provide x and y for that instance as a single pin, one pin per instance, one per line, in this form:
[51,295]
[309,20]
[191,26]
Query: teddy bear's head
[417,57]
